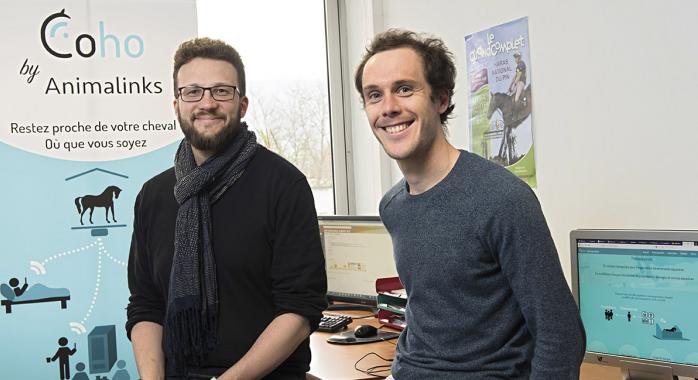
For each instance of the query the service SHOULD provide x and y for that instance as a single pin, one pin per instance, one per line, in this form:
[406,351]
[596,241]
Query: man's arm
[530,261]
[146,338]
[281,337]
[146,308]
[299,285]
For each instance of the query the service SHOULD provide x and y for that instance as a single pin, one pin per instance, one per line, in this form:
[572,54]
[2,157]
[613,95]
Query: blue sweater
[487,298]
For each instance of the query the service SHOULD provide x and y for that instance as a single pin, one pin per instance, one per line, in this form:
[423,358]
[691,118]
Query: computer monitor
[358,250]
[637,292]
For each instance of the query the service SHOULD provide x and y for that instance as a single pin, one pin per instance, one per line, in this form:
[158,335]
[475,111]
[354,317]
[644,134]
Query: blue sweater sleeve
[522,243]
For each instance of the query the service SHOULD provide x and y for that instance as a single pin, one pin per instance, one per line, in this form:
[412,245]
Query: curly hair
[439,66]
[208,48]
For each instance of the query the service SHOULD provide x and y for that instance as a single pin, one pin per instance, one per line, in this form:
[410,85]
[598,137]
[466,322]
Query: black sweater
[268,256]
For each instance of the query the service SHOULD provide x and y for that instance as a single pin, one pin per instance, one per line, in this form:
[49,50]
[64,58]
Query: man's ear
[244,102]
[443,103]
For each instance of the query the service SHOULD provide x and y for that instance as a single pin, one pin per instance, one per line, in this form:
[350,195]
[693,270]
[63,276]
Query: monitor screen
[358,250]
[637,293]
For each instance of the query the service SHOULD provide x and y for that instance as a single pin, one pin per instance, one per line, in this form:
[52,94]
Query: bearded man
[226,270]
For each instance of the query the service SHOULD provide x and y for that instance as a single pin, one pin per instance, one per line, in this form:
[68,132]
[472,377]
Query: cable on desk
[373,371]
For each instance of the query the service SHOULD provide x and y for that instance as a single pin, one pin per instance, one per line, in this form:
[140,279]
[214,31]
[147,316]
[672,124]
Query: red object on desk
[391,302]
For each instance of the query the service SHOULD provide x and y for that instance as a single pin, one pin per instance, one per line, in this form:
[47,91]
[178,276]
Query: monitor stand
[642,371]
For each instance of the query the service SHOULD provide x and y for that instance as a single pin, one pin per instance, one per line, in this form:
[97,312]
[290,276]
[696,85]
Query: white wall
[615,104]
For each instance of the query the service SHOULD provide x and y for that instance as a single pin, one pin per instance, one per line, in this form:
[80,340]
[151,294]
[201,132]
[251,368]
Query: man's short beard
[210,144]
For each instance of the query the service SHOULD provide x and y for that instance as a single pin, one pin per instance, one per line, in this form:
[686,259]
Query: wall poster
[499,84]
[87,118]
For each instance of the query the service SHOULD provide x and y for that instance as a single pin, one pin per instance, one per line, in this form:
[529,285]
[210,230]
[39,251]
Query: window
[282,44]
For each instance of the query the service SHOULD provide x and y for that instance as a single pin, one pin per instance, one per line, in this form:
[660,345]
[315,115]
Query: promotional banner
[87,119]
[499,78]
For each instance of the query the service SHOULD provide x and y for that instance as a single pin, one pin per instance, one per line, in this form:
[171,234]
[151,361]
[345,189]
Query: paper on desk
[393,308]
[399,293]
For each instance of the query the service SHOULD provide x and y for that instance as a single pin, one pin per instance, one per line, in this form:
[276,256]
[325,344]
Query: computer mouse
[365,331]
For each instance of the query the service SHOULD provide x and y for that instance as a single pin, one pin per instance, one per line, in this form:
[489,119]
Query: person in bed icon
[14,283]
[13,294]
[63,355]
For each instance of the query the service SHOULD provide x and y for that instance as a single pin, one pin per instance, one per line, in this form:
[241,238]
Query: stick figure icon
[63,355]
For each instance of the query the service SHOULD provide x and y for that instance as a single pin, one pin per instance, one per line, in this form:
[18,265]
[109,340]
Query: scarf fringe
[189,335]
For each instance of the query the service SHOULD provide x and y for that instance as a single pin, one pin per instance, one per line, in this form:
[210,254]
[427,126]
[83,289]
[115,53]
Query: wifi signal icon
[37,267]
[77,328]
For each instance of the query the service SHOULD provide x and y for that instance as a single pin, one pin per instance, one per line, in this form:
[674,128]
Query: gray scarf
[191,318]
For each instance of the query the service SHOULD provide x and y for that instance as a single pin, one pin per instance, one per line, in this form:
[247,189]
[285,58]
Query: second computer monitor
[358,250]
[637,293]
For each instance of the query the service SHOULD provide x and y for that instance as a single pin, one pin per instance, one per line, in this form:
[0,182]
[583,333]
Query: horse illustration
[513,114]
[106,200]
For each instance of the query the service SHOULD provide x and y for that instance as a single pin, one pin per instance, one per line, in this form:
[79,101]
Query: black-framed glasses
[196,93]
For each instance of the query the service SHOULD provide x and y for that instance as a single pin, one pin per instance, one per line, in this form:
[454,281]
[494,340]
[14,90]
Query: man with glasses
[226,270]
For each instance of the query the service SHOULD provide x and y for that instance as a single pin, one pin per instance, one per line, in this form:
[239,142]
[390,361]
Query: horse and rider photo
[513,114]
[106,200]
[500,97]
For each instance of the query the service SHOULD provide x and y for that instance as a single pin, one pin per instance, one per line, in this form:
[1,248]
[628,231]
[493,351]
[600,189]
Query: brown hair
[439,67]
[208,48]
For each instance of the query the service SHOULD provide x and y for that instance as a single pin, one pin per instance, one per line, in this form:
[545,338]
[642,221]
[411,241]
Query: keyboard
[333,323]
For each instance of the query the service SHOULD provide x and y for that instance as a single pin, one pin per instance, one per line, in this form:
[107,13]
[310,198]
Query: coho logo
[85,45]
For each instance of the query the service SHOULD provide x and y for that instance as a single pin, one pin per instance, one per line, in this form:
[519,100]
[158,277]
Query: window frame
[340,119]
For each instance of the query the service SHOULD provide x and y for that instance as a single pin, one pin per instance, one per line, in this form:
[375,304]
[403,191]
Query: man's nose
[391,106]
[207,101]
